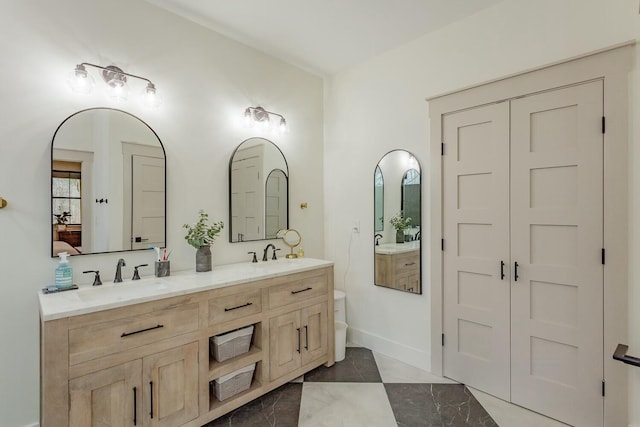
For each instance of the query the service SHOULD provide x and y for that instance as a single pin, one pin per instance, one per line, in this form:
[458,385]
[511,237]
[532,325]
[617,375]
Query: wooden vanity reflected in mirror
[108,173]
[397,191]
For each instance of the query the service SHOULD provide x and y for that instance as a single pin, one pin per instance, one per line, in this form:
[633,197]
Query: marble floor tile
[507,414]
[278,408]
[345,405]
[436,405]
[394,371]
[358,366]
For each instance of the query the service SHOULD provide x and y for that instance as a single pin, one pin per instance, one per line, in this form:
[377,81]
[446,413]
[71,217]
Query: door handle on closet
[515,271]
[501,270]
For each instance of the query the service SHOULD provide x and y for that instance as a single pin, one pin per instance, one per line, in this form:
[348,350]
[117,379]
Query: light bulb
[150,97]
[80,81]
[118,90]
[266,123]
[283,125]
[247,117]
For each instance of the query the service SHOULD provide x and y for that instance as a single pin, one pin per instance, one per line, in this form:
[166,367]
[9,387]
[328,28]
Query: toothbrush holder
[163,269]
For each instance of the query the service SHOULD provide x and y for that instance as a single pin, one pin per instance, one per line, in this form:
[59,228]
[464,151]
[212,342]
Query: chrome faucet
[121,264]
[377,237]
[266,250]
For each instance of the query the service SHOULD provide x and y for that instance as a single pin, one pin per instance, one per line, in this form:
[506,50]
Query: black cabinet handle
[411,263]
[301,290]
[126,334]
[240,306]
[298,349]
[306,337]
[135,406]
[501,270]
[151,397]
[515,271]
[621,355]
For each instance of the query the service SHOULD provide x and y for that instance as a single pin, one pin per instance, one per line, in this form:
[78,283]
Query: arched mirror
[108,194]
[258,191]
[397,219]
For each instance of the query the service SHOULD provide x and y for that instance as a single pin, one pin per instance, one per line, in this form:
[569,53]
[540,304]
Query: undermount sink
[120,291]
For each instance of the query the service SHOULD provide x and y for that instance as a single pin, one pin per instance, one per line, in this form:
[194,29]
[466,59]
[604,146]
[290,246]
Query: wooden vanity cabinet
[158,390]
[399,271]
[151,364]
[109,397]
[170,387]
[296,339]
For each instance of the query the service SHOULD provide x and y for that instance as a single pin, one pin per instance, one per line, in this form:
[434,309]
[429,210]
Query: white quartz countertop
[397,248]
[89,299]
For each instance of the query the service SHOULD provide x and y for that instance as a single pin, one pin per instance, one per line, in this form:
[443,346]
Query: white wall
[206,80]
[379,105]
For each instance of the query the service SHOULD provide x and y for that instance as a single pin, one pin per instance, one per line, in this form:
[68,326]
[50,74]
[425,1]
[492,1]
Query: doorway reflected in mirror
[258,191]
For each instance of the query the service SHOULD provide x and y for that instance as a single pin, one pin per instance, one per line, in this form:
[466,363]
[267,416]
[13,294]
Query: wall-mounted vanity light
[82,82]
[261,117]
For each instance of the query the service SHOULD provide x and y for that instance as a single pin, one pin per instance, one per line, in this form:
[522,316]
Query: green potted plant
[201,235]
[400,223]
[61,220]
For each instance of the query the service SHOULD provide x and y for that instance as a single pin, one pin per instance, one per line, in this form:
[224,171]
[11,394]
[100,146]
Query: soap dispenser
[64,272]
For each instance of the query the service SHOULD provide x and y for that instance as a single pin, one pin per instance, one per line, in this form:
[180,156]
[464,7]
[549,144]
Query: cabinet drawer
[297,290]
[102,339]
[405,263]
[235,306]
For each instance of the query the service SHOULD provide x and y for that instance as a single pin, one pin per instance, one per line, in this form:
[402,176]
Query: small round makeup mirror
[291,238]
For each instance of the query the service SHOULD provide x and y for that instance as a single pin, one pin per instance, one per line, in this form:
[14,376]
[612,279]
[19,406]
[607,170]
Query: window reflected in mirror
[398,220]
[258,191]
[107,184]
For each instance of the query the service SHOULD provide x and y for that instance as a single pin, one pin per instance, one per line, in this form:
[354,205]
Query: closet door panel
[475,229]
[556,239]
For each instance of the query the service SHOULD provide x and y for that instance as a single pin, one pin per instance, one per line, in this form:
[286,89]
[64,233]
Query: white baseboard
[33,425]
[409,355]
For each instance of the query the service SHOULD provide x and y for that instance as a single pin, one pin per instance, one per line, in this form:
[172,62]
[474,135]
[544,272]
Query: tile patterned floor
[370,389]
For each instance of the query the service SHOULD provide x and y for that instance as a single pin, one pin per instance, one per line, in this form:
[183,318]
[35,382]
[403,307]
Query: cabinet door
[382,270]
[170,382]
[285,343]
[314,332]
[413,283]
[110,397]
[401,282]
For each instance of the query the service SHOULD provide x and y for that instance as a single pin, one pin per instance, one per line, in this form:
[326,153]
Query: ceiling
[326,36]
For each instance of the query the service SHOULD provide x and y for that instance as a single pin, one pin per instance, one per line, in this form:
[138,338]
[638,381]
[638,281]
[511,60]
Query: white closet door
[247,195]
[476,226]
[556,239]
[148,202]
